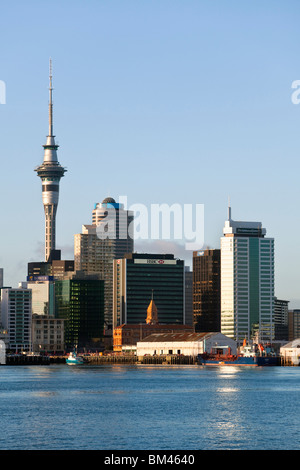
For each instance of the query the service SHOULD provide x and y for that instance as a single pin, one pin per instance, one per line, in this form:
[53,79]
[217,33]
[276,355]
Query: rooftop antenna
[229,209]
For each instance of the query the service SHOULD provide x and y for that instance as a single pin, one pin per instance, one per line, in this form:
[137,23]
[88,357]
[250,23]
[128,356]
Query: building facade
[80,302]
[184,343]
[247,282]
[108,238]
[16,317]
[294,324]
[47,334]
[138,278]
[42,289]
[281,319]
[207,290]
[126,336]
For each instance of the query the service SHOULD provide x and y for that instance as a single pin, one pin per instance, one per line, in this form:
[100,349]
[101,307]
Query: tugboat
[73,359]
[249,355]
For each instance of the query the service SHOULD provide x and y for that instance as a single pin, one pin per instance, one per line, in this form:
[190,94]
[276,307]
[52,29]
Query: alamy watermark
[184,222]
[2,92]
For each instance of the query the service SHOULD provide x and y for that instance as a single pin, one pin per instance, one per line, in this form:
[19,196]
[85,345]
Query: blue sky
[162,101]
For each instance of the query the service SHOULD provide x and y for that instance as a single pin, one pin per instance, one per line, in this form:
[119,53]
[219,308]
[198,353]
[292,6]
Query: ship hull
[256,361]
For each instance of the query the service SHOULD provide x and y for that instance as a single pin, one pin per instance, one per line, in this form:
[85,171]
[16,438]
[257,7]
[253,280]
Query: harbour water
[133,407]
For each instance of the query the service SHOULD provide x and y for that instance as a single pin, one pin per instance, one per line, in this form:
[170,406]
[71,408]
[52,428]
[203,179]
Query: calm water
[149,408]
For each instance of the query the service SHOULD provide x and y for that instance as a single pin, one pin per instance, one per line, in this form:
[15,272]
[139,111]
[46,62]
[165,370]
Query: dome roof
[108,200]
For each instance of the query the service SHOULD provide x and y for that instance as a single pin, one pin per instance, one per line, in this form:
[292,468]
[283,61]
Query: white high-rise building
[247,282]
[16,317]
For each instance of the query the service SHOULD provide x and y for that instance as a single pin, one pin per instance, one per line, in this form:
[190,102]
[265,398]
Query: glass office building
[108,238]
[139,276]
[81,303]
[247,282]
[207,290]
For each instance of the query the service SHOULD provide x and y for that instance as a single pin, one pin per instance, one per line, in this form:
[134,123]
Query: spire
[50,155]
[152,318]
[50,100]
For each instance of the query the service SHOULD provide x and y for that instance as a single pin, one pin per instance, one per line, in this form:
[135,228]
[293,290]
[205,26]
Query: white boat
[73,359]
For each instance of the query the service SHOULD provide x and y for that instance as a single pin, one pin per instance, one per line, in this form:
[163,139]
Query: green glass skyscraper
[81,303]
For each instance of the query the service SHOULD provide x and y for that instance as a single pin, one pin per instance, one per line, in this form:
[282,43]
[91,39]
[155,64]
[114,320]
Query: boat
[73,359]
[249,355]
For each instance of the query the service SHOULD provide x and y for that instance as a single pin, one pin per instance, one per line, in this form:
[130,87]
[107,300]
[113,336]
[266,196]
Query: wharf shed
[185,343]
[290,353]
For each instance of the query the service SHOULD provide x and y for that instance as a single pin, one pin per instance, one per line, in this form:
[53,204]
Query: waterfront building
[1,277]
[290,353]
[139,276]
[281,319]
[107,238]
[80,302]
[50,172]
[47,334]
[16,317]
[207,290]
[247,281]
[126,336]
[185,343]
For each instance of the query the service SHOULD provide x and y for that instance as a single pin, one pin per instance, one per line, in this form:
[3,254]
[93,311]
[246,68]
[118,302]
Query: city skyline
[193,100]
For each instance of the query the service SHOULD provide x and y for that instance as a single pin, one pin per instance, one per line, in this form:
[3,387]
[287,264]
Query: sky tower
[50,172]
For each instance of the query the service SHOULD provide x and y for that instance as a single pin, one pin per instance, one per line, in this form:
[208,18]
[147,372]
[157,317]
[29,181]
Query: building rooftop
[184,336]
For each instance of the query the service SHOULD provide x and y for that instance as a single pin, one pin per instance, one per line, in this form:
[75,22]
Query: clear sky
[163,101]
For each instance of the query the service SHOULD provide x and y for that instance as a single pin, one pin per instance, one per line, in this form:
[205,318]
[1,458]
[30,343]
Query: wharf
[24,360]
[131,359]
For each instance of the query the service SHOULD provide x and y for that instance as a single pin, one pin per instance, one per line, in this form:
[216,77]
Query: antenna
[50,99]
[229,209]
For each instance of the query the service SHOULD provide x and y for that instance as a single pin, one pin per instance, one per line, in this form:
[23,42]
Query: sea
[138,407]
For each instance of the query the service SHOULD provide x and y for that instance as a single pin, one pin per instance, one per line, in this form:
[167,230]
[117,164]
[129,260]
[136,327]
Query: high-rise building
[138,277]
[109,237]
[1,277]
[80,302]
[16,317]
[188,296]
[57,269]
[281,319]
[42,289]
[50,172]
[207,290]
[247,281]
[294,324]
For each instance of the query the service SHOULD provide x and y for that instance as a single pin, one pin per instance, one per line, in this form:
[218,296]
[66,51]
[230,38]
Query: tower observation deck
[50,172]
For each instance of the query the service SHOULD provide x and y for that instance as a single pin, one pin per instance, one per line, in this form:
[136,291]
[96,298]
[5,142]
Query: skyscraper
[108,238]
[207,290]
[137,277]
[50,172]
[247,281]
[16,317]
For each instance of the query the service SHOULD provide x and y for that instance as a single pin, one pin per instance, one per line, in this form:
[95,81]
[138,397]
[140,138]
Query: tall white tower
[247,281]
[50,172]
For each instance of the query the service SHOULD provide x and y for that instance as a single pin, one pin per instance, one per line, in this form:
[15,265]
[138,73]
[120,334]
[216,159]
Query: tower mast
[50,172]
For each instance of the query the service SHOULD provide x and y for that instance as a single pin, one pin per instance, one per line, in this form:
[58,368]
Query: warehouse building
[185,343]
